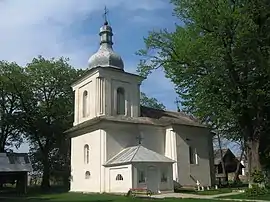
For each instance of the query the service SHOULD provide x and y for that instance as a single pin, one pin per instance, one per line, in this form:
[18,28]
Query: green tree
[151,102]
[46,101]
[219,63]
[9,135]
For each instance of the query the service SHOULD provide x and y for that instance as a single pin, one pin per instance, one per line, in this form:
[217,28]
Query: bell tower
[106,89]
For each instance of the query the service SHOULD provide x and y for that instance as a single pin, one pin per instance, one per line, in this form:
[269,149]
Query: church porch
[156,177]
[138,167]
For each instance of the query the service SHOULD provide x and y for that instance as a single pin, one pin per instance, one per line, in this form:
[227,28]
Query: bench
[139,191]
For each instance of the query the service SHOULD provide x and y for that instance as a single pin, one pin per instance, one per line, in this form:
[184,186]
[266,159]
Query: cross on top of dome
[105,56]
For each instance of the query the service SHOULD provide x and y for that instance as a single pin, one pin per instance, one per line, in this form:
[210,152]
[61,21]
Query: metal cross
[106,11]
[139,138]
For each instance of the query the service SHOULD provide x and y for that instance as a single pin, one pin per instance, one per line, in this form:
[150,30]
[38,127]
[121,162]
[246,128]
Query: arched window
[120,101]
[119,177]
[85,104]
[86,154]
[87,175]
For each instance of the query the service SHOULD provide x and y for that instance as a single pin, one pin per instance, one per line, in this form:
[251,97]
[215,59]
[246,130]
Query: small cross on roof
[106,11]
[139,138]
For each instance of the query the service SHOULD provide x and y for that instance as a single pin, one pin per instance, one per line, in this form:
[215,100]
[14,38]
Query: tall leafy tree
[219,63]
[46,102]
[10,136]
[151,102]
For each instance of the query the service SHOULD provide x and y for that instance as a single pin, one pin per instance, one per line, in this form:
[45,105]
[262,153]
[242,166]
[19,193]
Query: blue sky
[55,28]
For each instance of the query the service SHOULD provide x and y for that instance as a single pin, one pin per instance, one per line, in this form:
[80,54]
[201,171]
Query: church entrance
[152,179]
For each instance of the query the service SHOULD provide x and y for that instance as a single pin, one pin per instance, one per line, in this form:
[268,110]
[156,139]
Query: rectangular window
[163,176]
[141,176]
[120,102]
[193,157]
[26,159]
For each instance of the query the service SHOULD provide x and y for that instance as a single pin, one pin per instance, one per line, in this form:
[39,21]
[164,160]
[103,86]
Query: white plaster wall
[119,137]
[188,173]
[131,85]
[125,185]
[101,86]
[171,150]
[163,186]
[167,186]
[95,140]
[90,85]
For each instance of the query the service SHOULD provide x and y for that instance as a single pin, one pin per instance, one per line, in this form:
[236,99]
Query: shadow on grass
[34,199]
[32,192]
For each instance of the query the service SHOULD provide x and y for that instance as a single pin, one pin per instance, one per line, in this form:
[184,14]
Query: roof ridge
[149,150]
[138,146]
[111,159]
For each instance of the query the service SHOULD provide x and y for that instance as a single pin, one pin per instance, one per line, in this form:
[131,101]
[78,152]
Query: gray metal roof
[148,116]
[15,162]
[105,56]
[171,117]
[137,154]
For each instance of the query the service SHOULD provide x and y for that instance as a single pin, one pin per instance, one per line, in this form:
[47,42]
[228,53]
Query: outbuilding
[14,169]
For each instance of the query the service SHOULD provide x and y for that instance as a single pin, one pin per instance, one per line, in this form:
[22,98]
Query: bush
[256,190]
[258,176]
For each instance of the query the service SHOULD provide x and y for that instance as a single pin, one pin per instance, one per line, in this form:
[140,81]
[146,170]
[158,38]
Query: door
[152,179]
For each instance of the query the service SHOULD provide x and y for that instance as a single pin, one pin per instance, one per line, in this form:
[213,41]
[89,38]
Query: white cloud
[30,27]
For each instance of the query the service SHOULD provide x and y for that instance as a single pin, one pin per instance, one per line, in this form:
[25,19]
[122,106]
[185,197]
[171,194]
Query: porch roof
[138,154]
[15,162]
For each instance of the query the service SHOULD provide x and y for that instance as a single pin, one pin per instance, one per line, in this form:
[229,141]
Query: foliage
[151,102]
[46,111]
[258,176]
[265,152]
[219,63]
[256,190]
[9,135]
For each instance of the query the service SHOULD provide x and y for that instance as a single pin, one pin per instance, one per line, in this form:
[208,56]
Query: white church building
[116,144]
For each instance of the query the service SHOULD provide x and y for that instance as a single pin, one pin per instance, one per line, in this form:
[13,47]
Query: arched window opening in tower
[121,101]
[85,104]
[86,154]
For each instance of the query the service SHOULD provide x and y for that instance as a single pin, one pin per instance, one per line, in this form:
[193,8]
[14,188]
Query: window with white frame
[86,154]
[193,157]
[120,101]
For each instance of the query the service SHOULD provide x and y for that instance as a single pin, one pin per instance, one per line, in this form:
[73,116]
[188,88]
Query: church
[117,144]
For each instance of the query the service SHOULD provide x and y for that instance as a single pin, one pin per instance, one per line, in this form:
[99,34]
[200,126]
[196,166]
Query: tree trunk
[236,174]
[253,158]
[45,184]
[221,155]
[2,142]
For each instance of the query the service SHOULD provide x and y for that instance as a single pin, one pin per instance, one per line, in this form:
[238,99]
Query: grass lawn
[243,196]
[76,197]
